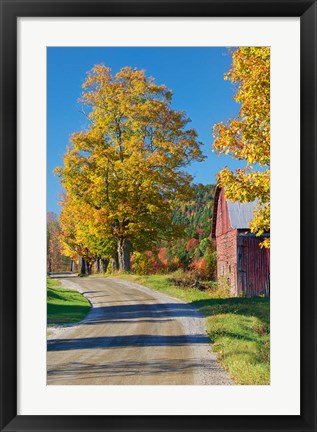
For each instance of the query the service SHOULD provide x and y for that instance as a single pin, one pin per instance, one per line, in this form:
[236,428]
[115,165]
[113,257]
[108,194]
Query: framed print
[136,187]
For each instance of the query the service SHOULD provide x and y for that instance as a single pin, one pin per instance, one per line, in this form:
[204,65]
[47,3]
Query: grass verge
[239,328]
[64,306]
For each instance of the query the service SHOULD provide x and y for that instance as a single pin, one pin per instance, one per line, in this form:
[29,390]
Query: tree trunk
[72,266]
[115,262]
[83,266]
[104,265]
[88,268]
[124,254]
[97,266]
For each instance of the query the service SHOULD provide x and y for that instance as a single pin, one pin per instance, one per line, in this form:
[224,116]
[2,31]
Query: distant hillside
[197,214]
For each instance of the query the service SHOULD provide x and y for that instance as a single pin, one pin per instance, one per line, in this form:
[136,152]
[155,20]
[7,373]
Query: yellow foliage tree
[84,232]
[247,137]
[53,244]
[74,235]
[126,168]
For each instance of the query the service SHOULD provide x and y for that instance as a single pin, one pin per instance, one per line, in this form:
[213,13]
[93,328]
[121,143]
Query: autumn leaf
[124,172]
[247,137]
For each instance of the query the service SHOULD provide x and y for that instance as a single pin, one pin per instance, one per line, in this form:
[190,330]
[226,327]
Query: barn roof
[240,214]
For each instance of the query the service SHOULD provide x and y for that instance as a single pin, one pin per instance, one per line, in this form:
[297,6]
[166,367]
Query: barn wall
[223,221]
[227,261]
[253,266]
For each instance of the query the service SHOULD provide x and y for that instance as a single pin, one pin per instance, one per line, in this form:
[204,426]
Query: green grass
[64,306]
[239,328]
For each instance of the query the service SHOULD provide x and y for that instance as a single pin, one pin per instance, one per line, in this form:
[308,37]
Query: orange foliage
[162,256]
[192,244]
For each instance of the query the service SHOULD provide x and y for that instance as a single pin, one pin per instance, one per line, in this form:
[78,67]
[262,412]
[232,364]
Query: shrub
[211,258]
[205,267]
[200,268]
[192,244]
[143,263]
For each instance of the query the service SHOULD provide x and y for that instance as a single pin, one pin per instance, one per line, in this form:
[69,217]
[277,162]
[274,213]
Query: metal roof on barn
[241,214]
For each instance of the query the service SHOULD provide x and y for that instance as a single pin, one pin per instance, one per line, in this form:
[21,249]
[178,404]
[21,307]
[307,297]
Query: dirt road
[132,335]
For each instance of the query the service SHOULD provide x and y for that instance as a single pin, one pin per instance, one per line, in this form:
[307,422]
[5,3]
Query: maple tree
[72,237]
[53,245]
[81,234]
[124,173]
[56,260]
[247,137]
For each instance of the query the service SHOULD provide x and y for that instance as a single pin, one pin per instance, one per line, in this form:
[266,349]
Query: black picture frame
[10,11]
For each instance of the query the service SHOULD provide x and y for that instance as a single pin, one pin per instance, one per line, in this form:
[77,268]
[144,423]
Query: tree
[53,245]
[70,239]
[247,137]
[82,234]
[126,168]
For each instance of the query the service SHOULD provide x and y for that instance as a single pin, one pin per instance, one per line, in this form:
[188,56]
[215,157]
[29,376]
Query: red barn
[241,263]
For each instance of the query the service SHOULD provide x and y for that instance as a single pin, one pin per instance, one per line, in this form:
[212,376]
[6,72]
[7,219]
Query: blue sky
[195,76]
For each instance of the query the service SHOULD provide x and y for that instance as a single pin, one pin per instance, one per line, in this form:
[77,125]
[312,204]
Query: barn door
[242,276]
[253,266]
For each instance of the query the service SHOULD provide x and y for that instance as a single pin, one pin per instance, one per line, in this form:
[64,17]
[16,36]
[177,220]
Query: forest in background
[194,251]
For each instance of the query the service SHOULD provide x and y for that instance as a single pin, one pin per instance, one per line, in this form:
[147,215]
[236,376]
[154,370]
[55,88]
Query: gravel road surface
[132,335]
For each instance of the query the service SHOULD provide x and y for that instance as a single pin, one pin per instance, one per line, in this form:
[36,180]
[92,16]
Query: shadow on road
[107,314]
[110,342]
[84,371]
